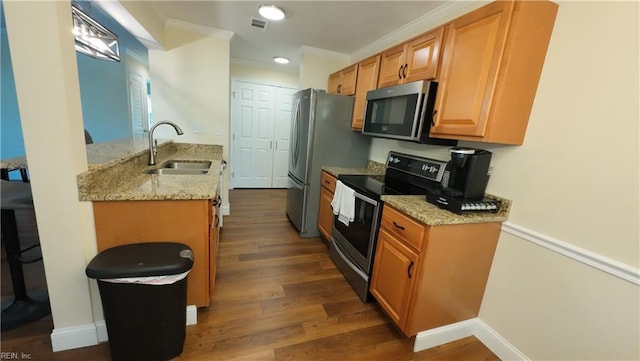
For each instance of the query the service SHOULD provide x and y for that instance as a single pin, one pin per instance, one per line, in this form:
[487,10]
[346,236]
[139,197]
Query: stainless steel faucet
[153,143]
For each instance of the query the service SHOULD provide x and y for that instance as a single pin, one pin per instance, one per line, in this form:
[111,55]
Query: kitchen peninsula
[132,206]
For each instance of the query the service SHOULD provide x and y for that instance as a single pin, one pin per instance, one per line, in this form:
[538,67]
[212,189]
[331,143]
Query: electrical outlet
[198,129]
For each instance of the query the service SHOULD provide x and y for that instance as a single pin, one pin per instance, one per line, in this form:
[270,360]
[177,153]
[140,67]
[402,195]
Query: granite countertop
[373,168]
[429,214]
[119,173]
[99,155]
[423,211]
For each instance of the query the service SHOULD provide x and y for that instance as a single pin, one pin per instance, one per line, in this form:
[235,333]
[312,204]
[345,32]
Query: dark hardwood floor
[277,297]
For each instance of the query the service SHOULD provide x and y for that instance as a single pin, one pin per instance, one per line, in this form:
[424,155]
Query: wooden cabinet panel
[325,212]
[349,76]
[328,181]
[334,83]
[491,63]
[393,276]
[410,231]
[343,82]
[185,221]
[367,80]
[391,63]
[440,282]
[417,59]
[471,57]
[454,271]
[422,56]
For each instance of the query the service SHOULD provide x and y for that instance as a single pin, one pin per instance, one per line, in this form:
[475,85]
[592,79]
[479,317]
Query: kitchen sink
[185,164]
[185,171]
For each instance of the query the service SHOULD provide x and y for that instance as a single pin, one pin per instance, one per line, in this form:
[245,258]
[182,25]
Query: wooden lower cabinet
[184,221]
[435,281]
[325,212]
[393,282]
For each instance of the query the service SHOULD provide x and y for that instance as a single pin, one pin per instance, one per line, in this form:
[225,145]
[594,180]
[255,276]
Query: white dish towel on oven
[344,203]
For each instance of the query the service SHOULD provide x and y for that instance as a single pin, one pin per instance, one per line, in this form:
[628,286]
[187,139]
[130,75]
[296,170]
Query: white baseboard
[101,327]
[496,343]
[473,327]
[192,315]
[69,338]
[445,334]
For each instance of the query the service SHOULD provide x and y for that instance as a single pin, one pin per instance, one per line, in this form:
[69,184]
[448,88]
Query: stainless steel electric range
[352,247]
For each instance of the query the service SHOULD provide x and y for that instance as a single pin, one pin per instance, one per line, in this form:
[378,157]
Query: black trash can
[143,288]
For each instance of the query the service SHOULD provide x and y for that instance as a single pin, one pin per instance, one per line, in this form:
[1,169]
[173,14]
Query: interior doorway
[261,122]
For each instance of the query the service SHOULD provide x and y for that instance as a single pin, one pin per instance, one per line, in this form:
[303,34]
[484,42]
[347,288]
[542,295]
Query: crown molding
[438,16]
[183,25]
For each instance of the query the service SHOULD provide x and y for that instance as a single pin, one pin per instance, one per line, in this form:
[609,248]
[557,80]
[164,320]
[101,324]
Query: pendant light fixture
[93,39]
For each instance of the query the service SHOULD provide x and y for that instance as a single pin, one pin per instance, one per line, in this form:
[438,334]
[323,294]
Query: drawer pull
[409,269]
[326,181]
[398,226]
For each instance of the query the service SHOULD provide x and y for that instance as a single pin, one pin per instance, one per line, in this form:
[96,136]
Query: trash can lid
[141,260]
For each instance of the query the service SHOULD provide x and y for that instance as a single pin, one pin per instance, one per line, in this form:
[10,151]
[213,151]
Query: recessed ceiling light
[281,60]
[271,12]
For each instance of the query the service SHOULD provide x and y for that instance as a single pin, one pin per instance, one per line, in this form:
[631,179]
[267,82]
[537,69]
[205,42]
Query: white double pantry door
[261,126]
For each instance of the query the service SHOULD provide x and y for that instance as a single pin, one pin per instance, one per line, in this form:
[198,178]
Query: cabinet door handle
[339,88]
[398,226]
[404,71]
[217,223]
[433,117]
[409,269]
[400,72]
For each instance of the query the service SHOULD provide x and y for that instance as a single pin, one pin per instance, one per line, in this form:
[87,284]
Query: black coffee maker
[467,173]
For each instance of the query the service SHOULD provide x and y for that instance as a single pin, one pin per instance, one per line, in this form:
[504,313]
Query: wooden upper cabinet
[334,83]
[391,65]
[417,59]
[367,80]
[422,56]
[491,62]
[343,82]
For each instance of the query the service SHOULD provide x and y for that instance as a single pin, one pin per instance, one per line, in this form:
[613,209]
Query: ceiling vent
[259,24]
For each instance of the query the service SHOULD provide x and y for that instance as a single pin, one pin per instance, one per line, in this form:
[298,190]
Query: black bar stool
[22,309]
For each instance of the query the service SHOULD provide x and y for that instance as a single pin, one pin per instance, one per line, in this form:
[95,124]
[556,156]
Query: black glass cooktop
[373,186]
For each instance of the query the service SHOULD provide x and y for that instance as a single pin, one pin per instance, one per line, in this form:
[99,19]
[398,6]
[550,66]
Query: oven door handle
[348,262]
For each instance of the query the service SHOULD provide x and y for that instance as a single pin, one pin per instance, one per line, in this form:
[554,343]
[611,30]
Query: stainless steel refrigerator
[321,135]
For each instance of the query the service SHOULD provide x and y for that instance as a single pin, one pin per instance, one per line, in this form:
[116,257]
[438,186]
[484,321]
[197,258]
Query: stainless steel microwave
[402,112]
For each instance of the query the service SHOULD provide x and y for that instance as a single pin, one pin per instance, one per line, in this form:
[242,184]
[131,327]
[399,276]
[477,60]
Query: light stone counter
[99,155]
[118,173]
[429,214]
[417,206]
[373,168]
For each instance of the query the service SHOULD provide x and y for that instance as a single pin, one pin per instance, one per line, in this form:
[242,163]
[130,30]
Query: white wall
[190,87]
[317,64]
[264,75]
[575,179]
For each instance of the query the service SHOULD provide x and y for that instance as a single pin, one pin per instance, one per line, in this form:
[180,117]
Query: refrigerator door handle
[295,132]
